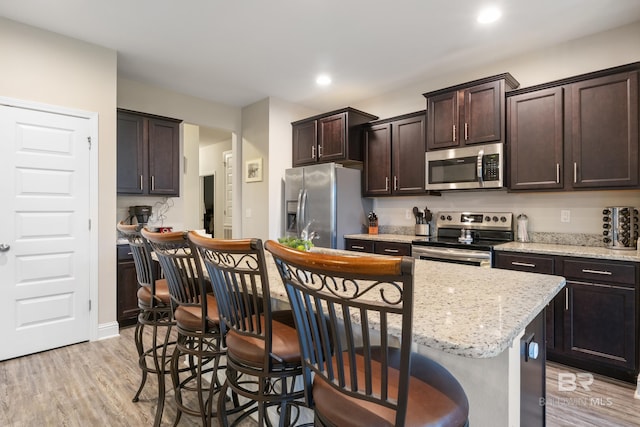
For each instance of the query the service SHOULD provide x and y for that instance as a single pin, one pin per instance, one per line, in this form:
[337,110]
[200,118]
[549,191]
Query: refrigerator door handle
[302,219]
[299,213]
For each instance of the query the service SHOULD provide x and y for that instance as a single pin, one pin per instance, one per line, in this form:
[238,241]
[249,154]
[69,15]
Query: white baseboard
[108,330]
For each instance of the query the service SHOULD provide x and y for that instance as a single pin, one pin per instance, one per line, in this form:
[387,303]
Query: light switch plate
[565,216]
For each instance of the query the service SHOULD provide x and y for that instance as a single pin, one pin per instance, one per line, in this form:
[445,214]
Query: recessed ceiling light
[323,80]
[489,14]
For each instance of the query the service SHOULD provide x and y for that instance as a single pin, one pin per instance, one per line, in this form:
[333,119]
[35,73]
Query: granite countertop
[464,310]
[571,250]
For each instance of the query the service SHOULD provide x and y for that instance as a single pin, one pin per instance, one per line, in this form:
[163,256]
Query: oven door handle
[421,250]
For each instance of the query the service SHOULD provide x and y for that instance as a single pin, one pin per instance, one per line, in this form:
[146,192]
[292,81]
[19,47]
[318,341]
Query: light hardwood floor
[608,402]
[92,384]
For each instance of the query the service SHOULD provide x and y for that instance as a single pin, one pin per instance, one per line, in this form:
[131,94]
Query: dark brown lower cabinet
[378,247]
[599,324]
[127,288]
[592,324]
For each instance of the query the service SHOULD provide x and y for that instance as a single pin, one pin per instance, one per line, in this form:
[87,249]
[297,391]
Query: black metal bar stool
[360,379]
[263,355]
[197,323]
[155,311]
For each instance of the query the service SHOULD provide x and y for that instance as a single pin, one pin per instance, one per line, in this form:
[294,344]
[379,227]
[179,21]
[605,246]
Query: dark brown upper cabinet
[577,133]
[148,154]
[471,113]
[604,132]
[536,134]
[329,137]
[394,156]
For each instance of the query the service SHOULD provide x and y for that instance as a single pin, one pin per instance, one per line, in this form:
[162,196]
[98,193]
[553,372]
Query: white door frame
[93,195]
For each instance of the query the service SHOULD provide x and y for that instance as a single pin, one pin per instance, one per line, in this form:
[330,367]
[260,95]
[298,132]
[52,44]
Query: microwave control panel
[491,167]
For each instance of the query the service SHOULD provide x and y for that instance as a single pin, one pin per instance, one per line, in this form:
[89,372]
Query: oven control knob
[495,219]
[503,219]
[605,233]
[441,217]
[606,212]
[449,218]
[606,240]
[606,219]
[606,226]
[487,218]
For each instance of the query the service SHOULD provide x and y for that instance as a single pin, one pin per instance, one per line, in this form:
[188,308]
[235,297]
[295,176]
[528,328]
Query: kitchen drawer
[393,248]
[124,253]
[524,262]
[359,245]
[599,271]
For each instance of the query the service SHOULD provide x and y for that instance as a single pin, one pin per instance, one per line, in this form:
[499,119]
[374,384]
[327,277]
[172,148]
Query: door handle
[4,247]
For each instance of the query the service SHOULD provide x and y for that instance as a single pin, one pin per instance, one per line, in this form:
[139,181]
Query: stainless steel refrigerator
[328,199]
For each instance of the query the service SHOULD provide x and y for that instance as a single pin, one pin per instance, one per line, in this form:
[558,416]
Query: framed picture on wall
[253,170]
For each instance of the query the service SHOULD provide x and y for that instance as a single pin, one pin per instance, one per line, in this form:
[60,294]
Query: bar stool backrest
[337,301]
[141,252]
[237,271]
[181,268]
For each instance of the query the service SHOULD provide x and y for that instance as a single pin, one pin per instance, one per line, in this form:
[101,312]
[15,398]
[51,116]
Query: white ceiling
[237,52]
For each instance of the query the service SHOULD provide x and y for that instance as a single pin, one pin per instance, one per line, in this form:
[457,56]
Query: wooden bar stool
[263,355]
[156,312]
[360,379]
[197,323]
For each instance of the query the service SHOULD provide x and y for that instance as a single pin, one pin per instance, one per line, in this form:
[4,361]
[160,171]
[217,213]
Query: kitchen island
[471,320]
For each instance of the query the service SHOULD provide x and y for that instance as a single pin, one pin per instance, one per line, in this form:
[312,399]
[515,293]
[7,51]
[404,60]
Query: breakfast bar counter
[471,320]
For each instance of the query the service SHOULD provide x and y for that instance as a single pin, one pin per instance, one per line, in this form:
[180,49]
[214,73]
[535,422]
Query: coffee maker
[140,213]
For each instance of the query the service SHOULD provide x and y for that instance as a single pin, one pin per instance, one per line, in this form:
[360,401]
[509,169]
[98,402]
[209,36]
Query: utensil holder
[422,229]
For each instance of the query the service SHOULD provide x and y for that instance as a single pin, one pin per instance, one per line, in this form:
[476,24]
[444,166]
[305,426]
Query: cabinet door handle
[575,172]
[319,151]
[153,182]
[357,247]
[386,183]
[601,272]
[557,173]
[392,251]
[566,298]
[141,181]
[466,131]
[523,264]
[395,182]
[454,133]
[313,151]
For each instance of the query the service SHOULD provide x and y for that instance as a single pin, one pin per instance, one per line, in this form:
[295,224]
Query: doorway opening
[208,196]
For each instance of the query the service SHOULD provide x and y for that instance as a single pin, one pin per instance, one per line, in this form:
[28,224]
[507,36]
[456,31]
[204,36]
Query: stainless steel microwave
[478,166]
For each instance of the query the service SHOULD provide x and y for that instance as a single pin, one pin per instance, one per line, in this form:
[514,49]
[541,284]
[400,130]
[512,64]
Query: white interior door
[44,236]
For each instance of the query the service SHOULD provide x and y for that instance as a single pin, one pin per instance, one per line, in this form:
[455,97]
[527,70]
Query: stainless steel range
[465,237]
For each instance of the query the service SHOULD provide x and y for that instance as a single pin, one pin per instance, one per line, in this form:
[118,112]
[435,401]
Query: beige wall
[255,195]
[604,50]
[47,68]
[281,114]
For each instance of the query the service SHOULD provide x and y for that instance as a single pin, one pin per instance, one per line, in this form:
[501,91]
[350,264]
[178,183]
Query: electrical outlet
[247,213]
[407,214]
[565,216]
